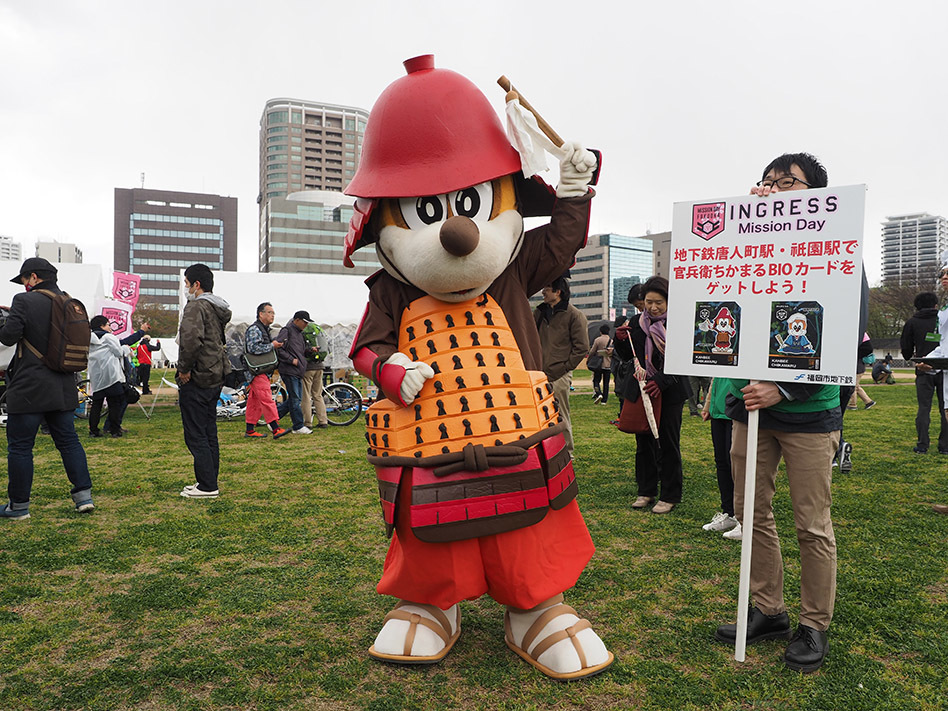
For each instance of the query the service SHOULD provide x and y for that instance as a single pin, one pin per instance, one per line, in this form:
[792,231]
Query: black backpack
[69,335]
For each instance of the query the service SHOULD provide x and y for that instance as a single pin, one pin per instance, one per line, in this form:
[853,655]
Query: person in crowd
[942,350]
[657,462]
[36,393]
[313,380]
[106,377]
[599,361]
[202,366]
[619,368]
[847,394]
[292,355]
[864,357]
[882,371]
[724,521]
[257,341]
[144,350]
[699,394]
[564,340]
[799,423]
[919,338]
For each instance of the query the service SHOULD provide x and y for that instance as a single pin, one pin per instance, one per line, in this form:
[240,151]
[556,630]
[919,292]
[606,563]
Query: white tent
[329,298]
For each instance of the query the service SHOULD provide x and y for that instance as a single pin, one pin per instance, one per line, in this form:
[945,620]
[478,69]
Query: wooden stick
[507,86]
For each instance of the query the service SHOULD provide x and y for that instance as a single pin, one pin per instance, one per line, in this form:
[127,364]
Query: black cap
[33,265]
[304,315]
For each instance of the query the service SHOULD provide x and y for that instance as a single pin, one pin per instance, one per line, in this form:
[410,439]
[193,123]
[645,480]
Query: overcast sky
[686,100]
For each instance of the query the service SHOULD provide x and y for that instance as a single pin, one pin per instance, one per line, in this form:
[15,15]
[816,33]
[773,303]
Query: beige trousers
[809,460]
[313,397]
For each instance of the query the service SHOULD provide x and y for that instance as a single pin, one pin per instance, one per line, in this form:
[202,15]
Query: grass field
[265,598]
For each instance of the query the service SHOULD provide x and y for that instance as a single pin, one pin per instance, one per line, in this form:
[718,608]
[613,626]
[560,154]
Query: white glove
[416,373]
[576,170]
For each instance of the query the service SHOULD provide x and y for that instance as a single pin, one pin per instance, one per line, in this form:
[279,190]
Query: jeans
[199,417]
[115,394]
[294,388]
[927,384]
[21,434]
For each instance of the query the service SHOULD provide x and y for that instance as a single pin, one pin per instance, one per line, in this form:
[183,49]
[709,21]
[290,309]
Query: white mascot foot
[415,633]
[554,639]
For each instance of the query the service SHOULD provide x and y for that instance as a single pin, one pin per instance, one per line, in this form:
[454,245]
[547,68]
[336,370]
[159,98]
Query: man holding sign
[801,423]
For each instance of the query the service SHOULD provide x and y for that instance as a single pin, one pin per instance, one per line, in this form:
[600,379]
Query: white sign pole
[747,533]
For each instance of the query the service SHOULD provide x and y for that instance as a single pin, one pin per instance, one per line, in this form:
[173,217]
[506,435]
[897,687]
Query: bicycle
[343,403]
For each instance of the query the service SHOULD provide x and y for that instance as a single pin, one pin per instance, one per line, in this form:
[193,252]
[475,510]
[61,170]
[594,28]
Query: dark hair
[561,284]
[604,328]
[658,284]
[813,170]
[635,293]
[926,300]
[200,273]
[620,320]
[262,306]
[97,322]
[45,275]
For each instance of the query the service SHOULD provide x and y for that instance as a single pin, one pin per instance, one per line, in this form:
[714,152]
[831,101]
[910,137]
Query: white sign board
[767,288]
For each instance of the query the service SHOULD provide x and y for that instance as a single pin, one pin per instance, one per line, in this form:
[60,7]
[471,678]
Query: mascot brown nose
[459,235]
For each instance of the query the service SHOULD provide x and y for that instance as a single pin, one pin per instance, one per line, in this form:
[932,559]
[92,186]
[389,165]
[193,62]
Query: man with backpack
[313,377]
[48,330]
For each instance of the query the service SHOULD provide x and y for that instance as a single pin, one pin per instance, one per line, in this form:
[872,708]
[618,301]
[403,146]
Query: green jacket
[826,398]
[201,341]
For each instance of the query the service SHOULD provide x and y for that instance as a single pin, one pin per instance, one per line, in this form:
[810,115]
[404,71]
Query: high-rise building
[9,249]
[305,232]
[308,146]
[59,252]
[912,246]
[605,270]
[308,152]
[160,232]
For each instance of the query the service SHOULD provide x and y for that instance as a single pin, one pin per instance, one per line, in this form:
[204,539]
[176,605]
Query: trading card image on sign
[796,335]
[717,333]
[707,220]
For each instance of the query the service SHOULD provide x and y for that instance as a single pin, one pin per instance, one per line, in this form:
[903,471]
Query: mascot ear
[363,229]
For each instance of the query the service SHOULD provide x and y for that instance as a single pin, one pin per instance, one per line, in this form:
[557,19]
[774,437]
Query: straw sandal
[532,656]
[440,626]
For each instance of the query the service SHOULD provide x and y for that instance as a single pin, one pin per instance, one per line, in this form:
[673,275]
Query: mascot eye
[422,211]
[475,202]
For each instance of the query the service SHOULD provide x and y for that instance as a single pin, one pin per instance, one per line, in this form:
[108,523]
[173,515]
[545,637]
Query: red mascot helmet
[429,133]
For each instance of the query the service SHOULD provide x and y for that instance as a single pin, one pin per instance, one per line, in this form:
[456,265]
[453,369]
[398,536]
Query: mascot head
[796,325]
[440,190]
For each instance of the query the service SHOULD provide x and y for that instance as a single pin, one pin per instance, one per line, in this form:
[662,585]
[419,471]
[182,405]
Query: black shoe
[95,433]
[115,434]
[759,628]
[806,650]
[918,449]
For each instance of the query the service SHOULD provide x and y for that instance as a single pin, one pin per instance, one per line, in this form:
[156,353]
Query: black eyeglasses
[784,183]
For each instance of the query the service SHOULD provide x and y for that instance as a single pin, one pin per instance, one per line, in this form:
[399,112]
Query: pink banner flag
[125,287]
[119,315]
